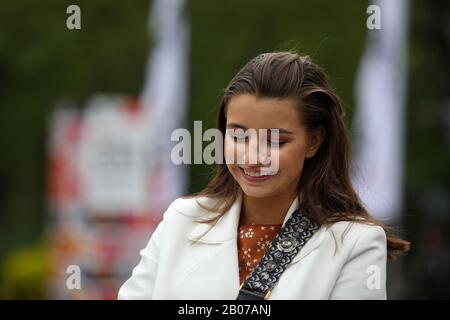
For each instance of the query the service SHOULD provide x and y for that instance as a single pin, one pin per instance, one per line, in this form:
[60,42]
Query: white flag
[380,113]
[165,94]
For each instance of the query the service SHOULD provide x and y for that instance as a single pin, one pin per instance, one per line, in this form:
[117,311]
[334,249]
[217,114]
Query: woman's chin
[256,192]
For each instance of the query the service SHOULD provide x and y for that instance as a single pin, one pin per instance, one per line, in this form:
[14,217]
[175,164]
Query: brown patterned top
[253,241]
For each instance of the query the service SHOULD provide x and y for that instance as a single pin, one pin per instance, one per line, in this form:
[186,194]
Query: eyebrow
[239,126]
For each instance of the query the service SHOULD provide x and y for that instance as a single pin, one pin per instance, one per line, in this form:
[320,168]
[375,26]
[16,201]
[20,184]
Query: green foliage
[25,273]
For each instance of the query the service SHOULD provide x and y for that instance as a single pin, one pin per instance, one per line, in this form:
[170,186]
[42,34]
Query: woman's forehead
[260,112]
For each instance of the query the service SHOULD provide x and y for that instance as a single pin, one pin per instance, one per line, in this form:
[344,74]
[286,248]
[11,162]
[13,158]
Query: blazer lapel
[214,272]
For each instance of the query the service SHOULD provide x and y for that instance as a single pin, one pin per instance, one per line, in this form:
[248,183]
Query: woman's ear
[316,138]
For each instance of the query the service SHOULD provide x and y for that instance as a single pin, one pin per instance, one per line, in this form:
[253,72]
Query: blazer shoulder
[358,233]
[356,228]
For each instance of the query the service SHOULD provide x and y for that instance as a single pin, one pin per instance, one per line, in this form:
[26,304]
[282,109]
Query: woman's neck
[271,210]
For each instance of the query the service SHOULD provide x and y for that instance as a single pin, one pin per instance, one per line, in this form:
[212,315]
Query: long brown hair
[325,190]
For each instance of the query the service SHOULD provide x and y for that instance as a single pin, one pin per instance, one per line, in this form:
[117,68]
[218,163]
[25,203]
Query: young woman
[296,232]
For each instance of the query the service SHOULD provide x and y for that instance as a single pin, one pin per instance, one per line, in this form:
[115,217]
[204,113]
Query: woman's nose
[255,154]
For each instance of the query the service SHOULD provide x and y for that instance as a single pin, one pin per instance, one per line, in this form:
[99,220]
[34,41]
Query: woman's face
[247,111]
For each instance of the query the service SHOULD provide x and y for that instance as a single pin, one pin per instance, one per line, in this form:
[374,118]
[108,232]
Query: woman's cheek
[291,158]
[274,159]
[229,151]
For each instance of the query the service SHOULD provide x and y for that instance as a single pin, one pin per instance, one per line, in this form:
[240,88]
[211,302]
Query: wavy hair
[325,189]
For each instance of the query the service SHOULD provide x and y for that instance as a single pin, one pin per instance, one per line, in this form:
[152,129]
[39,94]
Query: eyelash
[239,139]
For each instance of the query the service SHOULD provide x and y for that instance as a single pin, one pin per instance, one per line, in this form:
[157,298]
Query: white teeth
[252,174]
[256,174]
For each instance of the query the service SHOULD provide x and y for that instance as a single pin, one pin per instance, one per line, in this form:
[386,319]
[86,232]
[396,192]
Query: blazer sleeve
[363,276]
[142,281]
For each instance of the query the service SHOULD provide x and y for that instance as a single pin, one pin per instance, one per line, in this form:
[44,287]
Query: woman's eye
[275,143]
[243,138]
[239,138]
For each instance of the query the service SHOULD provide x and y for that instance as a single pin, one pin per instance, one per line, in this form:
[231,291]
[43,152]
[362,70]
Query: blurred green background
[41,62]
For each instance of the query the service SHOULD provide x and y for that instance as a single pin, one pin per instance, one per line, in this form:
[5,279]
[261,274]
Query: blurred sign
[101,175]
[114,157]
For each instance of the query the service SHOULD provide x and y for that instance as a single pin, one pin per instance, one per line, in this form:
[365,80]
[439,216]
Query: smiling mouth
[257,173]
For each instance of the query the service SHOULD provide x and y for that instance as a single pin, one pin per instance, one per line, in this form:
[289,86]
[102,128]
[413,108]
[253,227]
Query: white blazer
[343,261]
